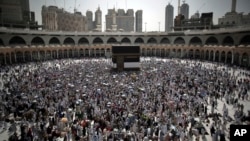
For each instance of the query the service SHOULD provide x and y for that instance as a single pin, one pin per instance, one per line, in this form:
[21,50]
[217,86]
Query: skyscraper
[120,20]
[169,17]
[138,21]
[56,19]
[98,20]
[90,23]
[185,10]
[16,13]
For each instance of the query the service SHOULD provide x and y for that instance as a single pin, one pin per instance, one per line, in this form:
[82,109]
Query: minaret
[179,7]
[98,19]
[114,25]
[233,9]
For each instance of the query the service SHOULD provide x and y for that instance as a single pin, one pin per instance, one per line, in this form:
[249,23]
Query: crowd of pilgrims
[167,100]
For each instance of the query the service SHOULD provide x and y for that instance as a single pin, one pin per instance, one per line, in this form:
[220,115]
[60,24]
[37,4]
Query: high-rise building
[185,10]
[56,19]
[169,17]
[16,13]
[90,23]
[138,21]
[120,20]
[98,20]
[234,18]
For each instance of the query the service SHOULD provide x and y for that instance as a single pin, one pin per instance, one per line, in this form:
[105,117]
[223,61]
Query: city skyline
[153,13]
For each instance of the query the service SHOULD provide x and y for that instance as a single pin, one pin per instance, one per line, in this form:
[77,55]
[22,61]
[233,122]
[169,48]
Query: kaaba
[126,58]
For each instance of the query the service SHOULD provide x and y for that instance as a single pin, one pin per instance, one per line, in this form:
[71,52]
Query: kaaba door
[120,63]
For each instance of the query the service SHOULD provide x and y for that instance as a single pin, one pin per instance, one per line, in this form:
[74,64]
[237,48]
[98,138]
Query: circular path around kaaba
[166,95]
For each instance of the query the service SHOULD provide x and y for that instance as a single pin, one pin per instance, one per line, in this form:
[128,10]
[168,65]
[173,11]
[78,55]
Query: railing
[186,32]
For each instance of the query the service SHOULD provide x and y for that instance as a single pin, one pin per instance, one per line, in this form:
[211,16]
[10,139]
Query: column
[248,61]
[209,55]
[14,57]
[5,61]
[31,56]
[240,59]
[23,57]
[10,58]
[44,55]
[219,56]
[57,54]
[225,58]
[38,54]
[214,56]
[232,61]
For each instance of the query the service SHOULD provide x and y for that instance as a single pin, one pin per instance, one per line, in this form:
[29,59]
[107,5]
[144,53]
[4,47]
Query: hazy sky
[153,10]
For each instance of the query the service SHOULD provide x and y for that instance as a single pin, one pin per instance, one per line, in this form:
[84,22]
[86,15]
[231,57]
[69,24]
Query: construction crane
[55,2]
[201,7]
[179,7]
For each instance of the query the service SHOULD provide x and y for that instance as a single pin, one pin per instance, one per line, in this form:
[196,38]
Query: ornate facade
[231,46]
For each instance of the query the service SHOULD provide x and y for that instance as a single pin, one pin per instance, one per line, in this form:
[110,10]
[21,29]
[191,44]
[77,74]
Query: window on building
[233,22]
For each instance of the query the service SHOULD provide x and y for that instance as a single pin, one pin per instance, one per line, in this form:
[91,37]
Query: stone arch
[86,51]
[197,54]
[54,40]
[81,53]
[83,41]
[212,41]
[97,40]
[19,57]
[207,55]
[102,52]
[236,58]
[54,54]
[162,52]
[139,41]
[195,41]
[244,60]
[165,41]
[148,52]
[17,40]
[70,53]
[143,52]
[179,40]
[168,53]
[178,53]
[217,56]
[60,54]
[151,41]
[245,40]
[65,53]
[112,41]
[37,41]
[211,55]
[69,41]
[1,42]
[228,40]
[223,56]
[126,40]
[27,56]
[2,59]
[229,57]
[42,55]
[191,54]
